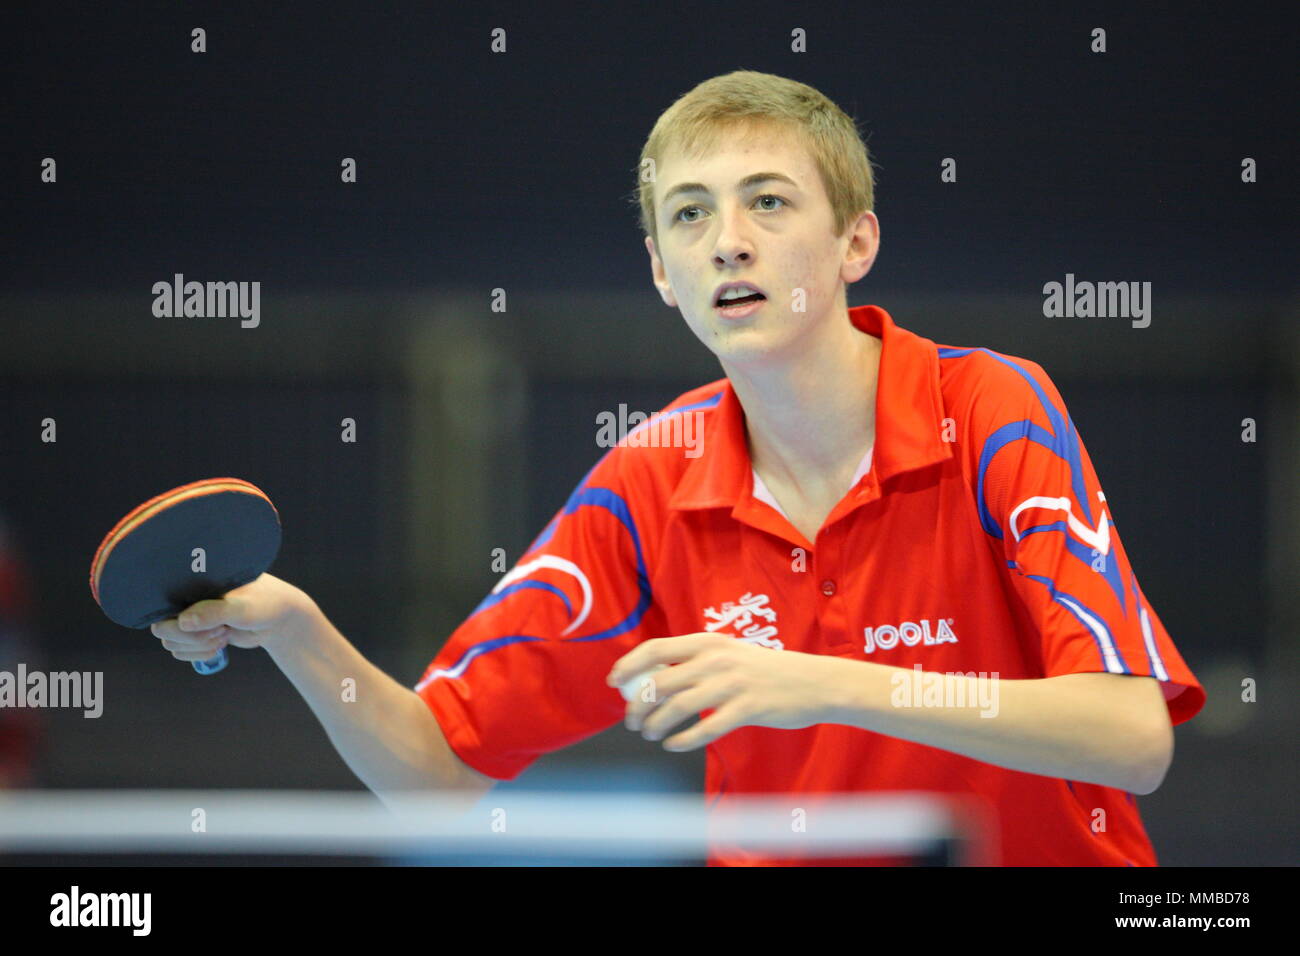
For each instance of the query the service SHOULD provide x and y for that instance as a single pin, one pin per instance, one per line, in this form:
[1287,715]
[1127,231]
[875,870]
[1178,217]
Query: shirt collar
[909,415]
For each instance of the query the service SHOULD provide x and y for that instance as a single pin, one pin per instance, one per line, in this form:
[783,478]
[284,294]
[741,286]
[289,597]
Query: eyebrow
[747,183]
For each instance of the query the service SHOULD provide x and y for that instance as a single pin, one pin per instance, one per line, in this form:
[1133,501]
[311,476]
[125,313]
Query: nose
[732,244]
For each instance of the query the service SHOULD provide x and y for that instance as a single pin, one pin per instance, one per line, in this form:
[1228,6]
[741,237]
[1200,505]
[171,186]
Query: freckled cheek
[684,284]
[819,273]
[689,289]
[806,273]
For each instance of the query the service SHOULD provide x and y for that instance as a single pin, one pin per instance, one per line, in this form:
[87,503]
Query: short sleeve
[524,674]
[1038,495]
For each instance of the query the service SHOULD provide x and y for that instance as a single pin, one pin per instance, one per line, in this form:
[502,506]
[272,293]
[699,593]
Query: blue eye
[678,216]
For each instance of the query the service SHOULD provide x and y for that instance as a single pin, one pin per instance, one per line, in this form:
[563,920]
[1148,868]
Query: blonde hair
[697,121]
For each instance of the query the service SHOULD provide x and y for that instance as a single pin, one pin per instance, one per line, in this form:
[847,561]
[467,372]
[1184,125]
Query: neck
[810,414]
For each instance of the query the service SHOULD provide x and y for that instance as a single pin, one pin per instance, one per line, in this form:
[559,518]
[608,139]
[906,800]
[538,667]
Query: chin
[747,346]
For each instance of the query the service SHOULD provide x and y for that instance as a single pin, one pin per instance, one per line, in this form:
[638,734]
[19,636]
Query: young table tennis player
[892,566]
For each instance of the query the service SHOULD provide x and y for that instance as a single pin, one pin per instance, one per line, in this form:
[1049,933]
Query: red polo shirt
[977,539]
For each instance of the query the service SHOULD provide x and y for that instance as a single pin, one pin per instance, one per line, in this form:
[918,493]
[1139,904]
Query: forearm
[1073,726]
[383,731]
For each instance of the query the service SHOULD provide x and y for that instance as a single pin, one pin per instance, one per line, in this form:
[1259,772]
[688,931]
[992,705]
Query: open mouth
[740,300]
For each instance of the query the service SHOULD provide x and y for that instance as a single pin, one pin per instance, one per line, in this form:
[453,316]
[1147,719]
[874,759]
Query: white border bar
[605,826]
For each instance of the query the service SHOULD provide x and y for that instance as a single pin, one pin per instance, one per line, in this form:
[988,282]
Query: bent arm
[1107,729]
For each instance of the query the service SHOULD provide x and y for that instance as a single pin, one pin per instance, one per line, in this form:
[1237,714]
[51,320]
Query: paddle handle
[213,665]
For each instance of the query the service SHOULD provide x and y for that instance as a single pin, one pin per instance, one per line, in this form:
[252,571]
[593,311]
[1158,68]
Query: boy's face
[775,235]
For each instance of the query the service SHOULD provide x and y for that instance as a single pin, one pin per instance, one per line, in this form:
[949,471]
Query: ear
[660,277]
[864,244]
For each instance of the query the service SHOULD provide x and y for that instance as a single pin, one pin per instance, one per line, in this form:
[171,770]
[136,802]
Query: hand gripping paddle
[150,566]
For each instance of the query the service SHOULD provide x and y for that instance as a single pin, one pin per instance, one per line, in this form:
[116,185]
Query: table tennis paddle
[149,567]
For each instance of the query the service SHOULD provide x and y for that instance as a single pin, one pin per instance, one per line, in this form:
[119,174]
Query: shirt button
[828,587]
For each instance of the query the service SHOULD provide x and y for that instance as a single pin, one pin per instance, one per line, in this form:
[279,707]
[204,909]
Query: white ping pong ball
[631,688]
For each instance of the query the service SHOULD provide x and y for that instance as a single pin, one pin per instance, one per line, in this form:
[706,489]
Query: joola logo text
[909,633]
